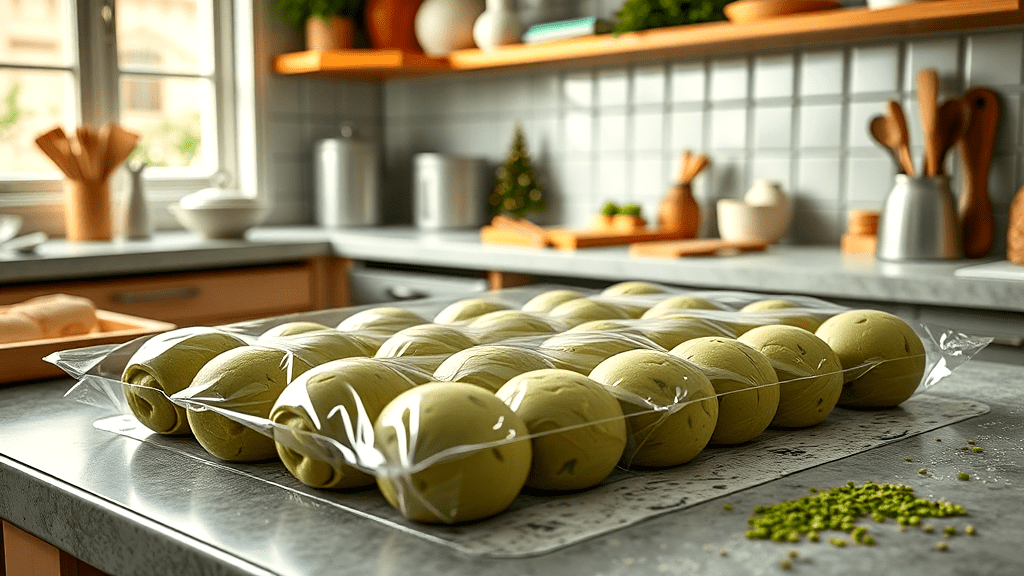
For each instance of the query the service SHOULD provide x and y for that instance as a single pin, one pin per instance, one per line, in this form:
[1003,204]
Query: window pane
[31,102]
[35,32]
[168,36]
[175,117]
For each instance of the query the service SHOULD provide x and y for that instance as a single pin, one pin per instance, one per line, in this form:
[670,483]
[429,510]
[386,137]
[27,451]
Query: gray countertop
[815,270]
[129,507]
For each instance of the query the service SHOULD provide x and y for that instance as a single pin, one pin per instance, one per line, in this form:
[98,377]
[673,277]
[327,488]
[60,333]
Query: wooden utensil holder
[87,212]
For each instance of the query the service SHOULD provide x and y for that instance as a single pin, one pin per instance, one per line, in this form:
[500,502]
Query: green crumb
[837,542]
[793,554]
[938,439]
[942,546]
[868,541]
[978,449]
[970,441]
[786,564]
[908,459]
[813,490]
[949,531]
[962,476]
[914,520]
[970,530]
[813,536]
[722,552]
[928,528]
[922,471]
[727,507]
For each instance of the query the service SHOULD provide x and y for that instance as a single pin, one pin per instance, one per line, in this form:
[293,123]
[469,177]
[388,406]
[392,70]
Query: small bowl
[742,222]
[755,10]
[215,222]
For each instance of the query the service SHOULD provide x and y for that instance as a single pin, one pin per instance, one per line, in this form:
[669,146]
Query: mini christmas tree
[519,191]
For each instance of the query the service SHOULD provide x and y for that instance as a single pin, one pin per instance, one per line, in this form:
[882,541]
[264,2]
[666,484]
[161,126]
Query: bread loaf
[52,316]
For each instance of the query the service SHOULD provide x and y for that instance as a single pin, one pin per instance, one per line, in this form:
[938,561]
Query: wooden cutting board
[565,239]
[693,247]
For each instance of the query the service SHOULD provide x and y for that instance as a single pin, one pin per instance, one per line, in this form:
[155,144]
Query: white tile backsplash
[773,127]
[687,131]
[821,73]
[817,181]
[612,179]
[940,54]
[993,59]
[613,87]
[773,76]
[578,89]
[728,128]
[649,182]
[772,166]
[821,126]
[868,181]
[729,79]
[649,85]
[874,68]
[648,131]
[578,132]
[544,92]
[687,81]
[612,131]
[860,115]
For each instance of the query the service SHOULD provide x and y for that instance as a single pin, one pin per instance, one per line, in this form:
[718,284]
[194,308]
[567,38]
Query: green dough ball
[746,384]
[379,324]
[773,312]
[465,310]
[490,366]
[441,422]
[676,304]
[246,380]
[339,400]
[669,332]
[631,288]
[322,346]
[166,365]
[505,324]
[290,328]
[810,377]
[862,338]
[577,427]
[425,340]
[581,310]
[547,301]
[670,406]
[582,351]
[627,326]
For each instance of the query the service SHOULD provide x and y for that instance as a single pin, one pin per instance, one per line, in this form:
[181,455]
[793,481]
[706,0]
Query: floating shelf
[826,27]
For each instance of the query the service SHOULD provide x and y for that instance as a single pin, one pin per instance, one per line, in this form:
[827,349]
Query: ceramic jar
[326,34]
[497,26]
[391,24]
[443,26]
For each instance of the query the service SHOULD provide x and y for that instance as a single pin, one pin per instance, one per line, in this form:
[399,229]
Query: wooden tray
[20,361]
[692,247]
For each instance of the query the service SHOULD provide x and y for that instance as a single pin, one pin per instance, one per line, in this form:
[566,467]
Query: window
[160,68]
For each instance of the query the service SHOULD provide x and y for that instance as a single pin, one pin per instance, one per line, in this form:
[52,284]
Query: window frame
[96,75]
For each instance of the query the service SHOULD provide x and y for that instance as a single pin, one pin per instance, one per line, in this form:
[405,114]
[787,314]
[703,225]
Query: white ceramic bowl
[739,221]
[218,221]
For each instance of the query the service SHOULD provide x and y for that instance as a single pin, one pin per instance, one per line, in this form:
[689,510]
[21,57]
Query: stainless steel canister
[449,192]
[346,182]
[919,221]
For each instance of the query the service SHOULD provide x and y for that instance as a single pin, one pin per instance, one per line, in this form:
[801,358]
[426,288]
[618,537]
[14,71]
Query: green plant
[609,209]
[519,190]
[298,11]
[11,112]
[643,14]
[630,210]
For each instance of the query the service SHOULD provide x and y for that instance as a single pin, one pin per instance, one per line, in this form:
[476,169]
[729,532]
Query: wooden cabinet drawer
[193,298]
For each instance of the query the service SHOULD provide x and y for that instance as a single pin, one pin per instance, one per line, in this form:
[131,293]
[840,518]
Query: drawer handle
[184,293]
[403,293]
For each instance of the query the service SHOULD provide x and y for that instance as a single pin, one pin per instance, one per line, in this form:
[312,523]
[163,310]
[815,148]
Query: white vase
[136,223]
[497,26]
[446,25]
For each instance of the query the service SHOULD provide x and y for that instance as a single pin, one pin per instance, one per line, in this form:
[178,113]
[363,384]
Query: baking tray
[21,361]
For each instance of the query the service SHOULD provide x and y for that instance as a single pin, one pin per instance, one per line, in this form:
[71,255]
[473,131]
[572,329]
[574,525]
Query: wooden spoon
[951,124]
[927,96]
[55,145]
[898,122]
[976,220]
[884,132]
[693,166]
[120,144]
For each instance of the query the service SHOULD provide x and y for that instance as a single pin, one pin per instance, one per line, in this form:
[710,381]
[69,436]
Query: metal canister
[919,221]
[346,181]
[449,192]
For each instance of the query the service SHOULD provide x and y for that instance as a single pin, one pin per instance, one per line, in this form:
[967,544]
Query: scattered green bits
[813,536]
[868,541]
[837,542]
[786,564]
[922,471]
[727,507]
[970,530]
[949,530]
[723,552]
[908,459]
[942,546]
[813,490]
[938,439]
[970,441]
[793,554]
[978,449]
[963,476]
[927,528]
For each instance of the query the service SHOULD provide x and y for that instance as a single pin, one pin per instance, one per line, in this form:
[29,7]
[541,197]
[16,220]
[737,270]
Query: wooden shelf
[828,27]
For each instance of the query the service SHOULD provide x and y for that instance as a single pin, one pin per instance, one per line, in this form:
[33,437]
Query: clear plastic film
[334,430]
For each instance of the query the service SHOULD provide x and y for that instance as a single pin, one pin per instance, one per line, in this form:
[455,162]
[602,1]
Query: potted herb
[628,218]
[606,218]
[643,14]
[330,24]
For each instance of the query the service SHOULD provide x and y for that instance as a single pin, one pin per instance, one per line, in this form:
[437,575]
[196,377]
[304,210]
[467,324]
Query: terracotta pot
[391,24]
[335,33]
[679,212]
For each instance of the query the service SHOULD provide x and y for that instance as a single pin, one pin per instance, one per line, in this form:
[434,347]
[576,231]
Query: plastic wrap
[323,419]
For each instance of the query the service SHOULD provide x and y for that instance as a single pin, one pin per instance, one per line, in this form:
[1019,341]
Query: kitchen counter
[128,507]
[815,270]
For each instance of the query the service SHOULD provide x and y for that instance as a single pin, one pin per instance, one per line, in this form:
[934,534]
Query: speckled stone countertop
[815,270]
[129,507]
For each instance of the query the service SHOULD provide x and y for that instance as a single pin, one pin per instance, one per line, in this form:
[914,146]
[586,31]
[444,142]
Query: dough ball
[676,304]
[546,301]
[627,326]
[465,310]
[505,324]
[291,328]
[438,421]
[670,406]
[425,340]
[385,320]
[577,427]
[582,351]
[166,365]
[810,377]
[339,400]
[18,328]
[744,380]
[774,312]
[671,331]
[489,366]
[246,380]
[321,346]
[633,287]
[883,358]
[581,310]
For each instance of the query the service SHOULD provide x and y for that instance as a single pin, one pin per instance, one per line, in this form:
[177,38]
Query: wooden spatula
[927,96]
[976,221]
[55,145]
